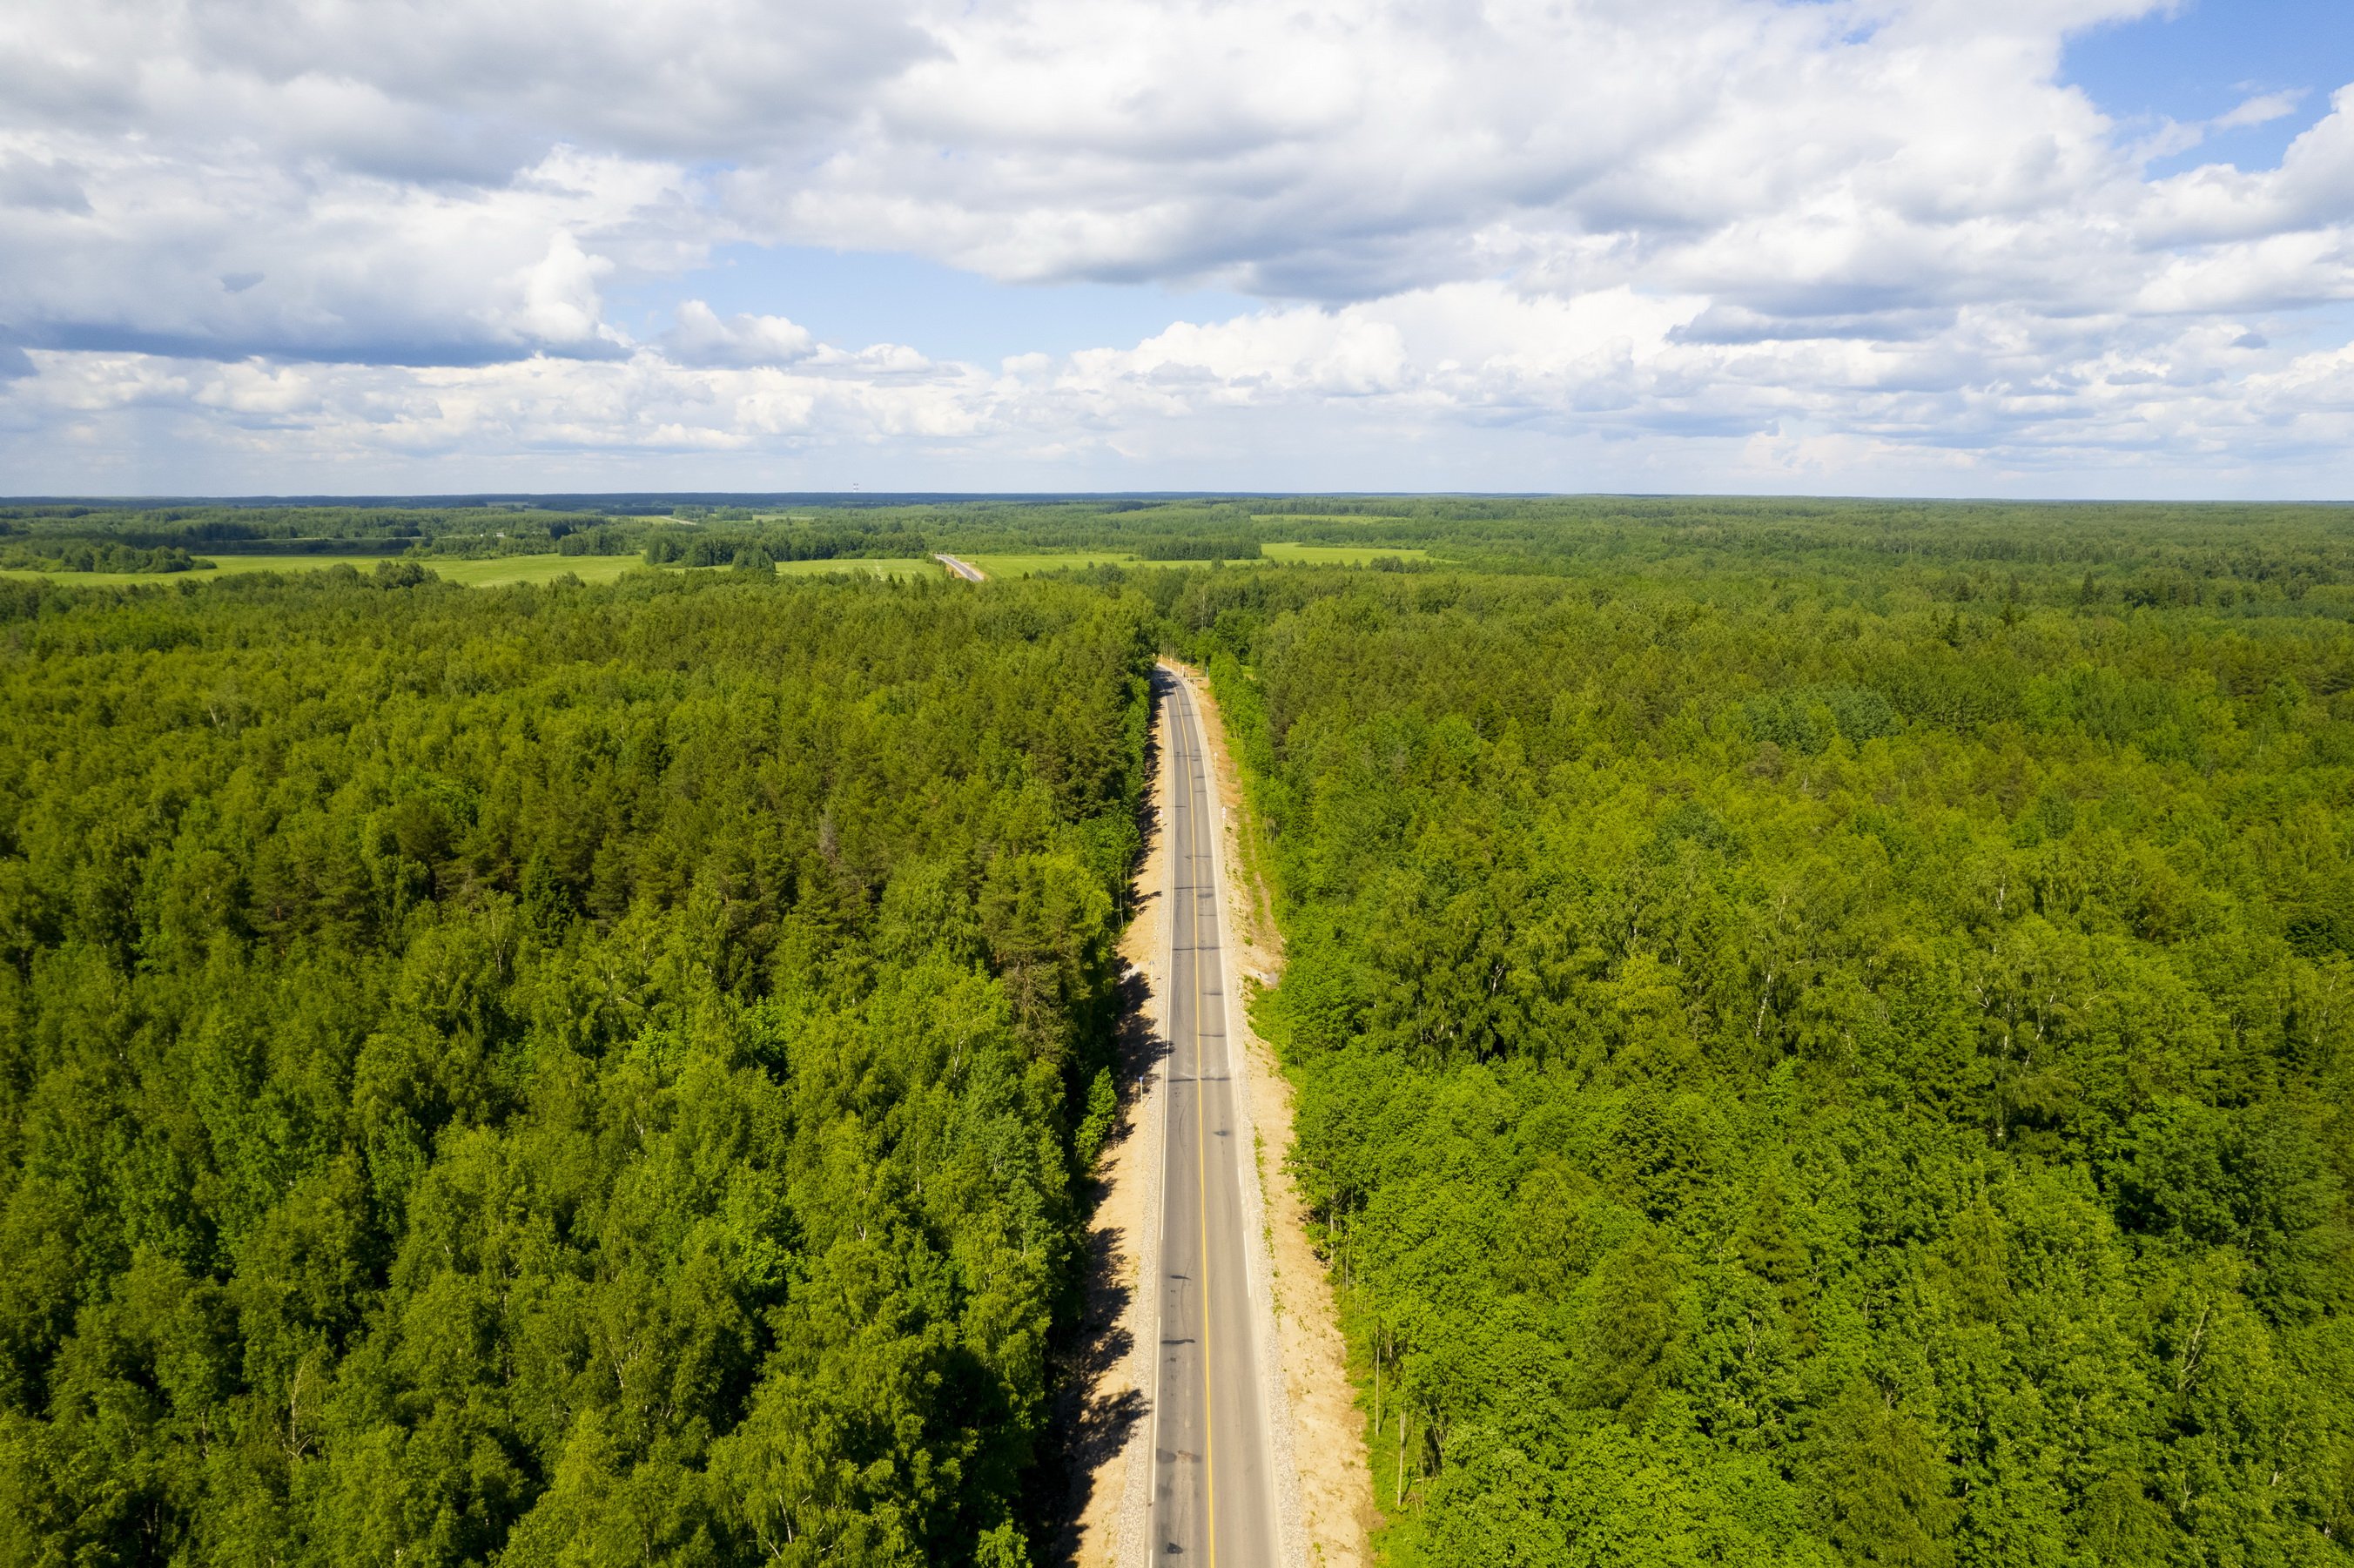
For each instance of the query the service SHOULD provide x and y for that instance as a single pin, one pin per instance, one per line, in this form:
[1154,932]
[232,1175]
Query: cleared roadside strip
[1219,1480]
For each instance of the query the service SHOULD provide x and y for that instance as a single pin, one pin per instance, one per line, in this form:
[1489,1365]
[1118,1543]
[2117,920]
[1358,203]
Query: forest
[1840,1052]
[80,556]
[2146,551]
[547,1075]
[1823,1031]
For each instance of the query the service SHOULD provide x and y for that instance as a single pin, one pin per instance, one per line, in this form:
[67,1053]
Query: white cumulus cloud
[1529,241]
[702,339]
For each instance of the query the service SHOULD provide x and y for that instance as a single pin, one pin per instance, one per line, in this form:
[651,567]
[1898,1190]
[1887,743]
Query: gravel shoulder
[1327,1434]
[1106,1406]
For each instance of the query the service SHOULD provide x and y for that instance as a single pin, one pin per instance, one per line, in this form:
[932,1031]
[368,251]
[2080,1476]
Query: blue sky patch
[2207,57]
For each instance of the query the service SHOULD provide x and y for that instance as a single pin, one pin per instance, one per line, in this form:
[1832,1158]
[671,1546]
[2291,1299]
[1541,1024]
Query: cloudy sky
[1956,247]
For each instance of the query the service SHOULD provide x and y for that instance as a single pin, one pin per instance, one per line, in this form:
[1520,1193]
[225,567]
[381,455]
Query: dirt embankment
[1103,1415]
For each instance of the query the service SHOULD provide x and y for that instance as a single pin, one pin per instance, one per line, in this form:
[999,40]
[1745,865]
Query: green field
[880,567]
[1033,563]
[1339,554]
[498,571]
[1029,565]
[223,566]
[841,566]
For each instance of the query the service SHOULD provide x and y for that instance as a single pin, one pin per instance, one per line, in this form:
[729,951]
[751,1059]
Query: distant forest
[2135,553]
[1824,1030]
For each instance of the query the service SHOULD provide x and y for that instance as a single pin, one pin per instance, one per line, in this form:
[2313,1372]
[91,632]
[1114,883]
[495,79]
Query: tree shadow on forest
[1091,1425]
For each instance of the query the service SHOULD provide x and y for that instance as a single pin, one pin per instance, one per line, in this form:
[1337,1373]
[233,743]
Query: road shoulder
[1107,1409]
[1333,1508]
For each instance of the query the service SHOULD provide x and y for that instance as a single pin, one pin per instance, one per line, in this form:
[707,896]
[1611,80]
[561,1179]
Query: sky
[2043,248]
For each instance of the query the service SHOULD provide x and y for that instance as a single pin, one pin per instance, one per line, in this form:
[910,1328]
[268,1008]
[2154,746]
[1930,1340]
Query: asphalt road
[1212,1476]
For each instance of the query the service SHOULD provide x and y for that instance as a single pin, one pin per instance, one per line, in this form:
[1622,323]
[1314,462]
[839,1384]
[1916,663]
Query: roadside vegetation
[1828,1043]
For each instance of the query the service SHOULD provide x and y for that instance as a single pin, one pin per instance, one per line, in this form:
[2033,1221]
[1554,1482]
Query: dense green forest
[551,1075]
[1838,1049]
[1824,1030]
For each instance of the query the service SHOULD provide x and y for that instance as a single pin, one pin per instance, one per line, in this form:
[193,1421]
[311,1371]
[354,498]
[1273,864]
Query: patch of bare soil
[1328,1429]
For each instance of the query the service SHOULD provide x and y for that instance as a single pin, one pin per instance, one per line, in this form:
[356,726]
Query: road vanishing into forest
[1214,1499]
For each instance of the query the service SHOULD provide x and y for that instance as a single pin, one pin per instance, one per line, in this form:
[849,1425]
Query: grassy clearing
[880,567]
[241,565]
[1023,566]
[1340,555]
[1029,565]
[223,566]
[1323,517]
[498,571]
[100,580]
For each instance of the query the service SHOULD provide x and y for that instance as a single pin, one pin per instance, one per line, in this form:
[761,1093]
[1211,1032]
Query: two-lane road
[1214,1498]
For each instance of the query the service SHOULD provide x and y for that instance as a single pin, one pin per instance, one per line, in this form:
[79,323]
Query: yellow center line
[1200,1143]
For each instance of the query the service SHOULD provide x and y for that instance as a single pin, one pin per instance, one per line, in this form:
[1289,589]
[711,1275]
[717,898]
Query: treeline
[105,556]
[759,549]
[1800,1068]
[548,1075]
[1206,547]
[229,529]
[698,536]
